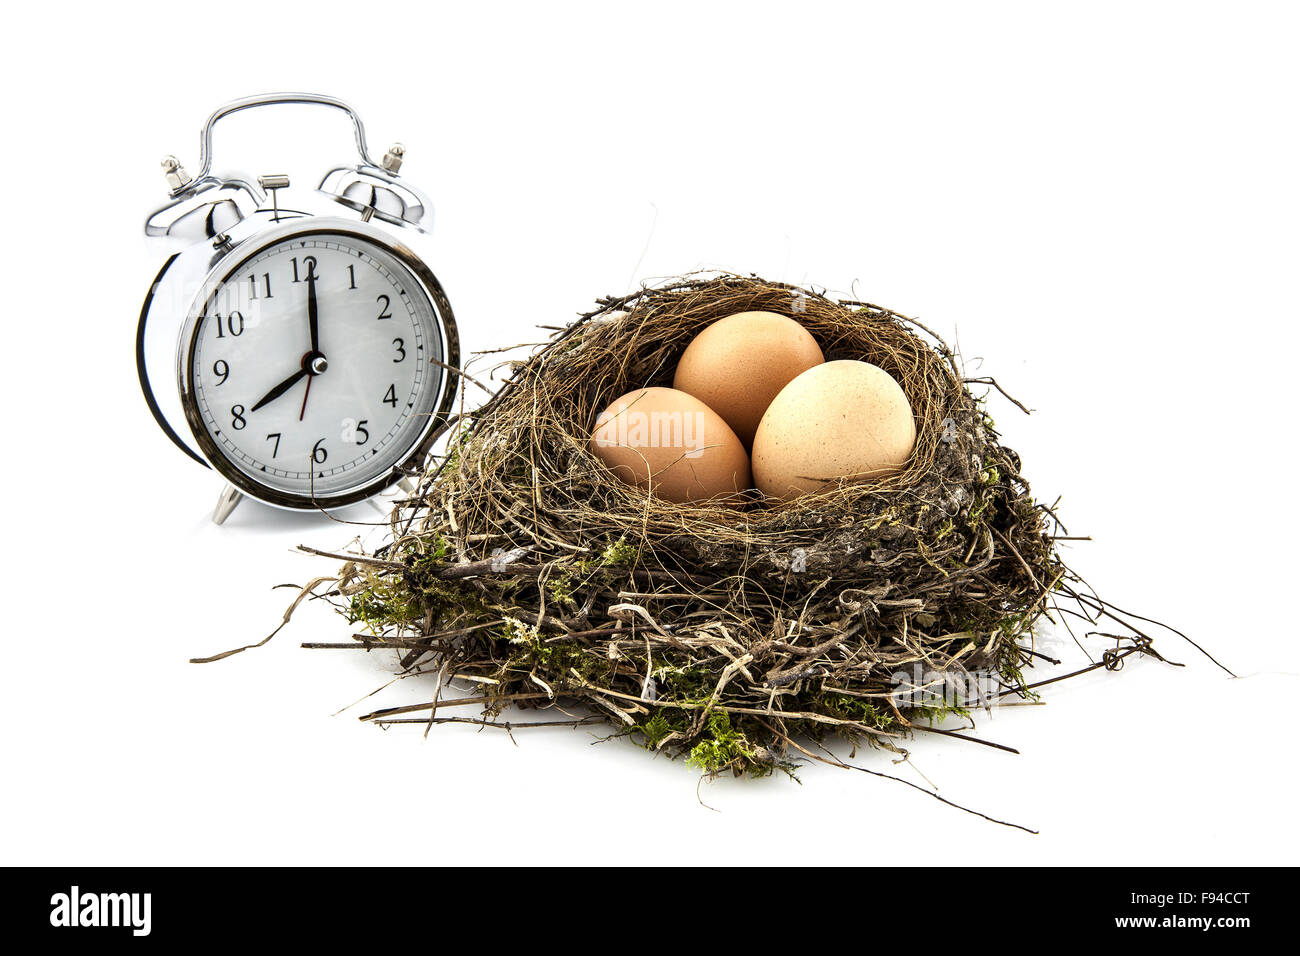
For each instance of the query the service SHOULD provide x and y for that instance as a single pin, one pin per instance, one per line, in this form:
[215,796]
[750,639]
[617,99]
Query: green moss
[985,418]
[455,449]
[937,712]
[857,709]
[1010,666]
[449,601]
[620,554]
[659,726]
[989,474]
[889,517]
[526,636]
[975,516]
[560,587]
[423,554]
[385,604]
[924,552]
[721,748]
[687,685]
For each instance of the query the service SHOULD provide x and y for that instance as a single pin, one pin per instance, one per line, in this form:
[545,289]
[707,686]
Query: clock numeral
[309,266]
[276,450]
[318,452]
[352,277]
[401,350]
[390,396]
[233,323]
[266,283]
[237,421]
[384,303]
[222,370]
[354,431]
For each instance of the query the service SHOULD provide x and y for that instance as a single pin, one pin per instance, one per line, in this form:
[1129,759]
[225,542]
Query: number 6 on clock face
[315,367]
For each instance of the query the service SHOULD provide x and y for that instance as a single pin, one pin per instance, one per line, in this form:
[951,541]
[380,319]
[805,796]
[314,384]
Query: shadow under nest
[740,637]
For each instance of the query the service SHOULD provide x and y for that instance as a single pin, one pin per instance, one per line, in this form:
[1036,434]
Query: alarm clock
[314,352]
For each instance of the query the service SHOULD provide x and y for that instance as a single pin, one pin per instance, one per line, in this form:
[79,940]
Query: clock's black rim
[438,418]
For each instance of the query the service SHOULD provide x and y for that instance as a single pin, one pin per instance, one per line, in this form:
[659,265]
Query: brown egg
[737,366]
[672,443]
[842,419]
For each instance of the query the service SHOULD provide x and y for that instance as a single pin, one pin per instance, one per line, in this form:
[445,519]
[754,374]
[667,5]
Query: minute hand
[313,321]
[280,389]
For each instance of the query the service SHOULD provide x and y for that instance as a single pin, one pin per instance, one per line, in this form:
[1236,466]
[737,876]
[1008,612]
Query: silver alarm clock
[313,351]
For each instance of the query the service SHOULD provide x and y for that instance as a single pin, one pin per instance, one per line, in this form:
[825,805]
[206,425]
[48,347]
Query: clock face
[314,367]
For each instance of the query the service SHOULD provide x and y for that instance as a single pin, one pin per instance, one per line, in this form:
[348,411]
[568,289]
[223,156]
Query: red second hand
[304,397]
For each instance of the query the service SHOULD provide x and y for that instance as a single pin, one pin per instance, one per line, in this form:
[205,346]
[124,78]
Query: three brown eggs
[754,403]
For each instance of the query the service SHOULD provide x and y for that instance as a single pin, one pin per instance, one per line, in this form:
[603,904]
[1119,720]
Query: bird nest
[741,637]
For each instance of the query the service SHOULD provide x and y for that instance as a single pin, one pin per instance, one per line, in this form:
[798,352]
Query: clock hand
[283,387]
[313,313]
[314,360]
[305,393]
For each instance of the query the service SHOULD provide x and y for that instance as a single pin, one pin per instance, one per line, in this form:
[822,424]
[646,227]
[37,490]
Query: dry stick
[394,643]
[1023,563]
[590,632]
[498,565]
[1040,654]
[437,696]
[373,641]
[353,558]
[499,725]
[1106,607]
[836,762]
[1106,663]
[457,702]
[990,380]
[960,736]
[302,596]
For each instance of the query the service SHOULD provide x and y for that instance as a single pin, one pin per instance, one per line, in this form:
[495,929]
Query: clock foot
[226,502]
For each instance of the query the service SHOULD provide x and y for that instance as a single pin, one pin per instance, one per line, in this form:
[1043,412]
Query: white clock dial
[315,366]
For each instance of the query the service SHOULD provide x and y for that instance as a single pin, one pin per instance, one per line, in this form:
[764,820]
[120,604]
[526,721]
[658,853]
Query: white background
[1099,202]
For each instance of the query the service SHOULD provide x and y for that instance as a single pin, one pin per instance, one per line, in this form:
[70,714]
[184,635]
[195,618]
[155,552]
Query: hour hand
[280,389]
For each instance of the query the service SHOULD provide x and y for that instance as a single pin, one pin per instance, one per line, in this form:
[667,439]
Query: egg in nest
[841,419]
[739,363]
[672,444]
